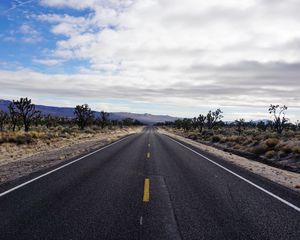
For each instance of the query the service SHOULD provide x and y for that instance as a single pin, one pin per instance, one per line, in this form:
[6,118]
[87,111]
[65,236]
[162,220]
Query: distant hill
[68,112]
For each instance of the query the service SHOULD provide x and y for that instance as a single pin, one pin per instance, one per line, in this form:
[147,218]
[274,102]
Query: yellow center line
[148,155]
[146,190]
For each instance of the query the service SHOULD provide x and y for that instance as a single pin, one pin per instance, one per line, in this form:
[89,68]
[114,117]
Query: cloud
[48,62]
[30,35]
[191,53]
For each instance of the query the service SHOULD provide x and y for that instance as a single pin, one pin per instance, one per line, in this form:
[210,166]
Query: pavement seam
[172,207]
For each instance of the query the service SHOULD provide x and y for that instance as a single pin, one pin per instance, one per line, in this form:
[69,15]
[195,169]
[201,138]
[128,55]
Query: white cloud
[30,35]
[186,53]
[48,62]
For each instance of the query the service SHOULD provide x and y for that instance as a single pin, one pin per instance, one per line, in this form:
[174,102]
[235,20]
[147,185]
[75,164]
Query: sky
[174,57]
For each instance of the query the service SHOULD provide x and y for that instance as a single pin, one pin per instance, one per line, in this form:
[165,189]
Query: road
[148,186]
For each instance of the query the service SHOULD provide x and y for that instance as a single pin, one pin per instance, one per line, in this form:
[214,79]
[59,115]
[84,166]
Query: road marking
[141,220]
[146,190]
[148,144]
[148,155]
[63,166]
[240,177]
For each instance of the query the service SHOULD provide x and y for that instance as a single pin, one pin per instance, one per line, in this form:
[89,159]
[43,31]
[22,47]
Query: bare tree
[3,118]
[83,115]
[279,119]
[27,111]
[103,119]
[213,118]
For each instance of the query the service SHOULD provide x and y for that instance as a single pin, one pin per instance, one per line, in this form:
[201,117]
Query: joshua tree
[213,118]
[50,121]
[194,123]
[3,118]
[26,110]
[36,120]
[14,116]
[279,119]
[103,119]
[240,125]
[187,124]
[178,123]
[83,115]
[201,122]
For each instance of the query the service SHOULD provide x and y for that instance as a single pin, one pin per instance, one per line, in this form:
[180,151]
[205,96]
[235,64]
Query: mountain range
[68,112]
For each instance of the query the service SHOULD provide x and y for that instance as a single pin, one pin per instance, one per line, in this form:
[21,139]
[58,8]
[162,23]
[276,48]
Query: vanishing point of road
[148,186]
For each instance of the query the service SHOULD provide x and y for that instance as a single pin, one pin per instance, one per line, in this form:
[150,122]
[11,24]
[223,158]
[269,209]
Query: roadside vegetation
[21,123]
[276,141]
[31,140]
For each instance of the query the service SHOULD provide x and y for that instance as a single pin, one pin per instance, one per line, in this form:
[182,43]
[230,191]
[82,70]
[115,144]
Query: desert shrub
[272,142]
[232,138]
[296,149]
[207,133]
[63,135]
[270,154]
[215,138]
[67,130]
[289,134]
[282,154]
[287,149]
[193,136]
[88,130]
[23,139]
[260,149]
[222,140]
[95,128]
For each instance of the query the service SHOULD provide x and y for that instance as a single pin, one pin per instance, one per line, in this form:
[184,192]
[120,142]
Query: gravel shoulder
[21,160]
[283,177]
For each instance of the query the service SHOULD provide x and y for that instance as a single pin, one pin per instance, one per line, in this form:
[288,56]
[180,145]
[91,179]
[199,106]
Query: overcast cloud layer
[226,53]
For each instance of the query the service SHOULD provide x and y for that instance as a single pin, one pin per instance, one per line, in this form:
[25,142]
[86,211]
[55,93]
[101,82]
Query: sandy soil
[283,177]
[20,160]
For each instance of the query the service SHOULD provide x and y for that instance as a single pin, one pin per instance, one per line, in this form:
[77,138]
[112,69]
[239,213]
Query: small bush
[67,130]
[282,154]
[270,154]
[296,150]
[193,136]
[23,139]
[287,149]
[260,149]
[89,131]
[272,142]
[216,138]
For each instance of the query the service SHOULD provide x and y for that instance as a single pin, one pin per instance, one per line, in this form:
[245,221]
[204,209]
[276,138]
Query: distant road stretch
[148,186]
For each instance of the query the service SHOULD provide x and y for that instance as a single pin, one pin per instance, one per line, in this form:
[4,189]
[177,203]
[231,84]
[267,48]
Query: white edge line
[240,177]
[56,169]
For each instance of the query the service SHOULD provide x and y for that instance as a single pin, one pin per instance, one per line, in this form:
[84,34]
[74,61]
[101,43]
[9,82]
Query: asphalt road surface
[148,186]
